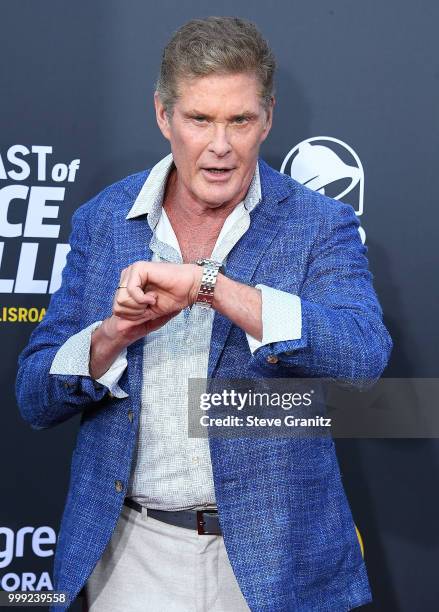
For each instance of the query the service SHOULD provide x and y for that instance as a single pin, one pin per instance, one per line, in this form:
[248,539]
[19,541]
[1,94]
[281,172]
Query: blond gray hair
[215,45]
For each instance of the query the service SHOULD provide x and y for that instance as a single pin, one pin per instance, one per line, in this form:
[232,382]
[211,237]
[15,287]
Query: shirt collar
[150,197]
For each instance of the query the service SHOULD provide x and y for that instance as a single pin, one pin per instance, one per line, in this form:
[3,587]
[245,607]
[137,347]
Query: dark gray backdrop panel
[79,77]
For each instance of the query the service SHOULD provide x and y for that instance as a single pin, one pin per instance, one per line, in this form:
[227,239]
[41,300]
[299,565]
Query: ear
[161,116]
[269,119]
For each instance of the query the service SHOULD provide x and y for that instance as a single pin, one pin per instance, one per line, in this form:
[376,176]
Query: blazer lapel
[131,240]
[265,221]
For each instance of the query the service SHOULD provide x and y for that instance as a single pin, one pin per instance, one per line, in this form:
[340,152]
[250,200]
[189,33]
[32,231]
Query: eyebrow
[195,113]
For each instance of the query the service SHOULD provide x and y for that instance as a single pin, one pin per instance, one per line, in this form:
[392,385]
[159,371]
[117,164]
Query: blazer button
[272,359]
[130,415]
[118,484]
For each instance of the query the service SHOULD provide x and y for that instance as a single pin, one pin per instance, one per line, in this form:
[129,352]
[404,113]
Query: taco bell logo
[331,167]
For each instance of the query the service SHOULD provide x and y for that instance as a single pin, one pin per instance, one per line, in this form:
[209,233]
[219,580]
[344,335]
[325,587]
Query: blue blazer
[286,522]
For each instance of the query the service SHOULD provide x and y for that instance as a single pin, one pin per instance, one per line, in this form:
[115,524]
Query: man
[135,318]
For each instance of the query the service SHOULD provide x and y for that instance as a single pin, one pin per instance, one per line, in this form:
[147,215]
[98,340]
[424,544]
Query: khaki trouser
[149,565]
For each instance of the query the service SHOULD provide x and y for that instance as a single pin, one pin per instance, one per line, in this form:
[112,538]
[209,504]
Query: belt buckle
[201,522]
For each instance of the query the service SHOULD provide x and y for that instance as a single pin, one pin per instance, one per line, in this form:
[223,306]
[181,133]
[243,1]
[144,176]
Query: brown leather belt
[206,521]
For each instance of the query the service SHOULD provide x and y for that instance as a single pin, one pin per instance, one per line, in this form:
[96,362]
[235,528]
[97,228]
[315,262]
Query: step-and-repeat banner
[356,117]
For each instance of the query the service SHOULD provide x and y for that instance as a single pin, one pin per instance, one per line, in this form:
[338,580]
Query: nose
[219,143]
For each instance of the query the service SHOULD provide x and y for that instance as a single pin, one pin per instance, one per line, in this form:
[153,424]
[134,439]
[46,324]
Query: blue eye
[241,120]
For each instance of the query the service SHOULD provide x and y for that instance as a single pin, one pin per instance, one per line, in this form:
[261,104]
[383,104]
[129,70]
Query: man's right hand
[115,334]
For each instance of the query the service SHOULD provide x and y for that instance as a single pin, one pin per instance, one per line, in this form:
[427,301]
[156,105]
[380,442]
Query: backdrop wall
[357,106]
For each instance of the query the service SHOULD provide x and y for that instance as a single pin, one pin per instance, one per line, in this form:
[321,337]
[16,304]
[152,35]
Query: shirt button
[195,459]
[110,395]
[118,484]
[272,359]
[130,415]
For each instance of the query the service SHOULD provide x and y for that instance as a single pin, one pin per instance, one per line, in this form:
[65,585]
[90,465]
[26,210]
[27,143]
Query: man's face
[218,122]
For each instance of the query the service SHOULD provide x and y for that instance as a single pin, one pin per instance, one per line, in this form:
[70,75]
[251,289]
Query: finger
[135,282]
[124,299]
[122,277]
[151,297]
[124,311]
[140,317]
[123,308]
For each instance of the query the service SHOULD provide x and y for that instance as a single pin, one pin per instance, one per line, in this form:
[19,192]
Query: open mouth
[218,171]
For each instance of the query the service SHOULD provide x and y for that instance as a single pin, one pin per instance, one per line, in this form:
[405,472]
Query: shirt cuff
[281,317]
[73,358]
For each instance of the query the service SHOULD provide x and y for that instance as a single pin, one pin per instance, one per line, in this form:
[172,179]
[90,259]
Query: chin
[214,201]
[214,204]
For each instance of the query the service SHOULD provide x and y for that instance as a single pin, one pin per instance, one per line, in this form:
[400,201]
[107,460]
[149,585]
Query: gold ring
[122,287]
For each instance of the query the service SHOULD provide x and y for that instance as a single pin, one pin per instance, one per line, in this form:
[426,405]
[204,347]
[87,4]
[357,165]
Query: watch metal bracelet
[208,281]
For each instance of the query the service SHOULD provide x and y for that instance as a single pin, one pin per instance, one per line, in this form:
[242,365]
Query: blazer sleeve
[343,336]
[47,399]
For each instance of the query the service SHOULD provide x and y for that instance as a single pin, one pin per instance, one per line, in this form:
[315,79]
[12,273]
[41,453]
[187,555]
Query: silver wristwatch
[208,281]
